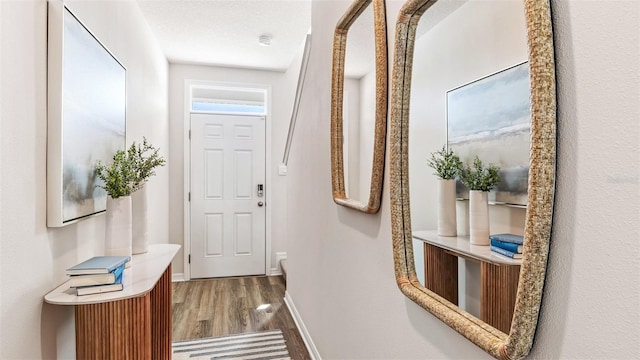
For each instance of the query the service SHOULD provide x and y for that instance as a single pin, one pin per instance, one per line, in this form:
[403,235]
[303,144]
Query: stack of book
[99,274]
[508,245]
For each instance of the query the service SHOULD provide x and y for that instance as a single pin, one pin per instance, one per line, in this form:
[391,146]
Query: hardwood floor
[218,307]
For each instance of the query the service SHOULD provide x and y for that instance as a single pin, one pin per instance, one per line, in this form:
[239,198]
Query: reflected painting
[491,118]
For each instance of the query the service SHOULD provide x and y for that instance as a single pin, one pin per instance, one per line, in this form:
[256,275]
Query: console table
[134,323]
[498,275]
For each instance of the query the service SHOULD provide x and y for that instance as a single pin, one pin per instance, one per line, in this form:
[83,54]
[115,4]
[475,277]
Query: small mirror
[478,77]
[359,106]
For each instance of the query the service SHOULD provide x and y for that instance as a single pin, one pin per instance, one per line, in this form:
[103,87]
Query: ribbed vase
[118,233]
[478,217]
[447,207]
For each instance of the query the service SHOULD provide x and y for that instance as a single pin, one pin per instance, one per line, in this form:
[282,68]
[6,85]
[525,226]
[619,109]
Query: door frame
[188,83]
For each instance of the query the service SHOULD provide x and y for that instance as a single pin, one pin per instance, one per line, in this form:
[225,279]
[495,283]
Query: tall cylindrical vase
[118,227]
[139,218]
[447,207]
[478,217]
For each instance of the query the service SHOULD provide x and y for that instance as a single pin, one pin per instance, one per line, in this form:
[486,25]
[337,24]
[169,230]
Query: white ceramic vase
[118,227]
[140,242]
[447,207]
[478,217]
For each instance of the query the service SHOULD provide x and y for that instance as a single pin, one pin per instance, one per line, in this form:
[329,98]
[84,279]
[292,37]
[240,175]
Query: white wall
[32,257]
[340,273]
[283,87]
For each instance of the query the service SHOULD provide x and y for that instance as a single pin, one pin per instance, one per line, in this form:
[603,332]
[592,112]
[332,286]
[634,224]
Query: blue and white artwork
[491,118]
[93,117]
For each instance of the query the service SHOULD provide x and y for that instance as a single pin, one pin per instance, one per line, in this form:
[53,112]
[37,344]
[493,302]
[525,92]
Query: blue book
[510,238]
[98,265]
[506,253]
[98,289]
[96,279]
[514,248]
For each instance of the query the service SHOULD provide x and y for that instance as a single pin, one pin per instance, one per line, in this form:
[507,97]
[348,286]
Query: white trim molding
[177,277]
[308,342]
[277,269]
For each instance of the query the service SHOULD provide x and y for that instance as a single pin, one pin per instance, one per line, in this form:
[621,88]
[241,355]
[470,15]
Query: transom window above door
[228,100]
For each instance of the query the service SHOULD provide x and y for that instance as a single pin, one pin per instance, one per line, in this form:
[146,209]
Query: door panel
[213,235]
[227,223]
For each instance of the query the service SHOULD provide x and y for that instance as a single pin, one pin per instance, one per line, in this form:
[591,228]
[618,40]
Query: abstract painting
[88,126]
[491,118]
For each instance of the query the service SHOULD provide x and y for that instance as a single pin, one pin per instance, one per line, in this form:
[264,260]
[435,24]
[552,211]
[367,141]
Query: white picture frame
[86,113]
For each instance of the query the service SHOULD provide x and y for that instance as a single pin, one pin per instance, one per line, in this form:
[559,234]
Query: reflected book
[515,248]
[506,253]
[510,238]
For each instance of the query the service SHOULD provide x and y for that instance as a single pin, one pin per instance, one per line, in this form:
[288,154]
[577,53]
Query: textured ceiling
[225,32]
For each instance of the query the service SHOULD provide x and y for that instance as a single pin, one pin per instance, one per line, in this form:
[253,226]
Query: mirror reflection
[359,106]
[470,92]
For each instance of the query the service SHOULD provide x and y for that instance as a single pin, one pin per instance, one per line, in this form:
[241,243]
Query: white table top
[461,245]
[143,274]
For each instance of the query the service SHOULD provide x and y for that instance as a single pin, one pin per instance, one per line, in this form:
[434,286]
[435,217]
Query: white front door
[227,210]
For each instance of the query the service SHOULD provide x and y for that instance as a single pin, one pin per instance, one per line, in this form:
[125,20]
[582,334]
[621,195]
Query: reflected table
[498,275]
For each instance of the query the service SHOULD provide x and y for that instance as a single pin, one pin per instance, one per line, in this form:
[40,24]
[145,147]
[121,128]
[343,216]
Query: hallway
[223,306]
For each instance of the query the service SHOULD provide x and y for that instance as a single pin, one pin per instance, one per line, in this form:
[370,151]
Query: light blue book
[98,265]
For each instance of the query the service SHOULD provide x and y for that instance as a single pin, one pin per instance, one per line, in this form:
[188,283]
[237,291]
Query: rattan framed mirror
[376,96]
[517,341]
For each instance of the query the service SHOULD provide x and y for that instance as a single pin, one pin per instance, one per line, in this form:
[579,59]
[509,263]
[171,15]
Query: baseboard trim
[275,272]
[177,277]
[308,342]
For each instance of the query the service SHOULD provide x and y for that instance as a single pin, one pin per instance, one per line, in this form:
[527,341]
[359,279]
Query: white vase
[447,207]
[140,240]
[118,227]
[478,217]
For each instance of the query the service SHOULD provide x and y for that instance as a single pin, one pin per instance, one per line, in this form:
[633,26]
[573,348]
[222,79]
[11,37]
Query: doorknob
[260,203]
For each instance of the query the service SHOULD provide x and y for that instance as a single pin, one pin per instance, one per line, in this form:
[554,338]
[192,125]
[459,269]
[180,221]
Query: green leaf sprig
[129,170]
[446,163]
[143,164]
[479,177]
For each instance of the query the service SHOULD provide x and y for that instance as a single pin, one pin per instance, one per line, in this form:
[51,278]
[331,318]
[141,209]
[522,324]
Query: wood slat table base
[134,328]
[498,294]
[441,272]
[498,284]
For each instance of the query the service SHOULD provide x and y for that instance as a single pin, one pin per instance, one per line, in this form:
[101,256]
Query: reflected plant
[479,177]
[446,163]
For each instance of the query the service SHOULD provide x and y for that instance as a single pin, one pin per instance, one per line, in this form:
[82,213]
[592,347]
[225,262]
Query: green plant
[479,177]
[129,170]
[446,163]
[143,164]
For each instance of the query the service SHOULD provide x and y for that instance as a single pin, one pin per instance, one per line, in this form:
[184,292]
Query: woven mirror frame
[541,185]
[337,95]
